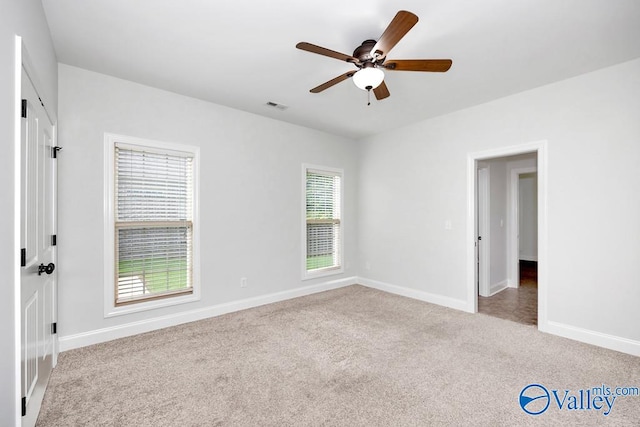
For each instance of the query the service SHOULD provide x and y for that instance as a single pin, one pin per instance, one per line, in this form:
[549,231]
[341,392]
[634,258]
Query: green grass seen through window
[158,275]
[319,261]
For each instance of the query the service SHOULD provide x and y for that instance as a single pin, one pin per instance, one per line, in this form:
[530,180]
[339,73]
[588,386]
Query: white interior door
[38,227]
[483,233]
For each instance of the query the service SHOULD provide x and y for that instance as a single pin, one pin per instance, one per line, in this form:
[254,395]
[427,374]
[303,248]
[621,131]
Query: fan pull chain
[369,95]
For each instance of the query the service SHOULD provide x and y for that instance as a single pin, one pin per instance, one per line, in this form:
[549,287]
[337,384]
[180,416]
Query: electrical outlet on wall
[243,282]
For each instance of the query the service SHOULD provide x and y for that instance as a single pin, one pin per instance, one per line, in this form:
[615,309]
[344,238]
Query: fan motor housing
[363,52]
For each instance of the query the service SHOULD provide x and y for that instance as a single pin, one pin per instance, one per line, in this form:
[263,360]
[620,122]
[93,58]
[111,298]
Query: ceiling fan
[371,58]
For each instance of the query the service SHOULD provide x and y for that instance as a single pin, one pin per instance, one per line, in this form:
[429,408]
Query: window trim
[328,271]
[110,307]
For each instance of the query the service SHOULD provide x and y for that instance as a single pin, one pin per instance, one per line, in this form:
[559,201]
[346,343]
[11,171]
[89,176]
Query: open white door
[483,233]
[38,241]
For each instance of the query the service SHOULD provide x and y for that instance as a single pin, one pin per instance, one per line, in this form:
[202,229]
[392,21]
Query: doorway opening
[512,296]
[507,239]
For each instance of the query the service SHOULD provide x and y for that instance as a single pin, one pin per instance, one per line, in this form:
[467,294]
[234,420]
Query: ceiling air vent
[276,105]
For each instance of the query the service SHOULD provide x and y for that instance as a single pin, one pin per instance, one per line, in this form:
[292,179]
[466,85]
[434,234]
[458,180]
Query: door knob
[46,268]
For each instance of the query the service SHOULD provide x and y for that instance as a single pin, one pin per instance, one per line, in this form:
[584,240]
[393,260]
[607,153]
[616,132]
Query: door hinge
[54,328]
[23,257]
[54,152]
[24,406]
[54,240]
[23,113]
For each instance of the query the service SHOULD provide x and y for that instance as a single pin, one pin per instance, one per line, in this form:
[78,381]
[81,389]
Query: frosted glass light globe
[368,78]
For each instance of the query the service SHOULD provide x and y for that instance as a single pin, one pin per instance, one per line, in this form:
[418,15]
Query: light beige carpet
[349,357]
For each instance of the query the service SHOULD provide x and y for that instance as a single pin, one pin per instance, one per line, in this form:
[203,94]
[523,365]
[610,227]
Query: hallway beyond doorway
[516,304]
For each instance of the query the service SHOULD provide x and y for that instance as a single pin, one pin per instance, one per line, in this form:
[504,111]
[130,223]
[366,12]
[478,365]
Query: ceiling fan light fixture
[368,78]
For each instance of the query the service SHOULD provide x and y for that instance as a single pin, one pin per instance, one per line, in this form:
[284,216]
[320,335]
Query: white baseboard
[70,342]
[599,339]
[528,258]
[415,294]
[498,287]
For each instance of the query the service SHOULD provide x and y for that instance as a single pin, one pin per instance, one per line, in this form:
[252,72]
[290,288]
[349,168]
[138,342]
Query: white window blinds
[153,223]
[323,213]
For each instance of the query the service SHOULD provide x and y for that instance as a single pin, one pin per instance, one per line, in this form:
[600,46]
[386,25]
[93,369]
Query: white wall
[250,197]
[521,162]
[498,225]
[528,216]
[24,18]
[413,180]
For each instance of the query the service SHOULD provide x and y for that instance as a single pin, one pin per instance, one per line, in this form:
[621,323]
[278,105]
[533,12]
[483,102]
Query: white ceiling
[241,53]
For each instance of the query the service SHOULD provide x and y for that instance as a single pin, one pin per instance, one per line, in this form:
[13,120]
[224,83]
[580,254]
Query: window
[152,221]
[323,225]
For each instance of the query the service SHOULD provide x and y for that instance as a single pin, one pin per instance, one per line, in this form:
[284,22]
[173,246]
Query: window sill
[322,272]
[150,305]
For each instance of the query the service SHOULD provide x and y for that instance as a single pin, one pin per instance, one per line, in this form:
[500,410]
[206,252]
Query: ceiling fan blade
[326,52]
[381,92]
[399,26]
[433,65]
[332,82]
